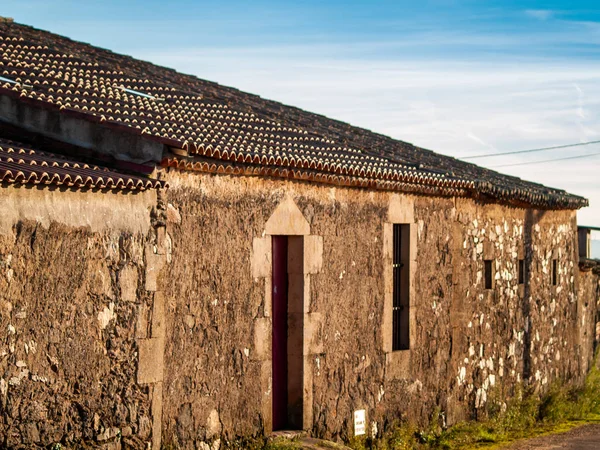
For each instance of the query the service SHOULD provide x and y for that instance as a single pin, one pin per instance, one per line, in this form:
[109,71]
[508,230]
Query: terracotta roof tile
[214,122]
[22,165]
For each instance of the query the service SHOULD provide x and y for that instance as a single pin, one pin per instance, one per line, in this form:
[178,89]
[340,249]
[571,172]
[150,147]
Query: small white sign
[359,422]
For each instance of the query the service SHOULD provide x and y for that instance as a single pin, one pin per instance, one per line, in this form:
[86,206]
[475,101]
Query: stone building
[186,264]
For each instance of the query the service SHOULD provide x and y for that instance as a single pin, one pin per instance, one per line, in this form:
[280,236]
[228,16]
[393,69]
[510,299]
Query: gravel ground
[586,437]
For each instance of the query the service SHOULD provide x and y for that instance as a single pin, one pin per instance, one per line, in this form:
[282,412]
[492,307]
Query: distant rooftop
[20,164]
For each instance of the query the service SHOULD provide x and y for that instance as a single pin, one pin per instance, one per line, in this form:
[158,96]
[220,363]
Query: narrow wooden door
[280,332]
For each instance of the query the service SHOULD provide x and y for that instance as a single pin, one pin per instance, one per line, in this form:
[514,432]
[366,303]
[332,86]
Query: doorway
[287,332]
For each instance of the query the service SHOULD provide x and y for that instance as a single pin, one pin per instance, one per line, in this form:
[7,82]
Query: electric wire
[542,149]
[546,160]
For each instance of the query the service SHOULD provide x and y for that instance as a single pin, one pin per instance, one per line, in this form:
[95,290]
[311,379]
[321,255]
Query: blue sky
[459,77]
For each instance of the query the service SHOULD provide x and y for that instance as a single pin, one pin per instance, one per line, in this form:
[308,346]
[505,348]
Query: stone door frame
[306,259]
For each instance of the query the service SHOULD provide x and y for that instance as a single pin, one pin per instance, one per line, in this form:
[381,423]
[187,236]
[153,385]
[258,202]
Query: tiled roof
[22,165]
[225,130]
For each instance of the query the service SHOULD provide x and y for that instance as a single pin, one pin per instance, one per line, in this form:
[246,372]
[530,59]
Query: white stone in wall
[213,424]
[106,315]
[373,429]
[480,398]
[380,394]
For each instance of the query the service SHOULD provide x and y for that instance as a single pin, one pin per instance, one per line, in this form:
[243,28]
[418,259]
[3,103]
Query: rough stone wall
[471,347]
[144,317]
[212,383]
[348,293]
[213,380]
[513,334]
[70,302]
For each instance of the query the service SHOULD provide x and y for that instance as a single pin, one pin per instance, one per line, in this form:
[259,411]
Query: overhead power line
[547,160]
[543,149]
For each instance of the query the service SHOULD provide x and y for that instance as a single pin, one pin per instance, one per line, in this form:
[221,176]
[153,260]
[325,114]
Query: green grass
[283,444]
[526,416]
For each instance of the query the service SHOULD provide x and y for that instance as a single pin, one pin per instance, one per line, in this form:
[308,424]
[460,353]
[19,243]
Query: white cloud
[540,14]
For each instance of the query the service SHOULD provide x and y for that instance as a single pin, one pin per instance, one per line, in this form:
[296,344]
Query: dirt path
[586,437]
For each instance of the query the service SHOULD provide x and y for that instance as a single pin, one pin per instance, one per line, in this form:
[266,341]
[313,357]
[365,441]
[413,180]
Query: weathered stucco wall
[470,347]
[99,211]
[130,318]
[70,299]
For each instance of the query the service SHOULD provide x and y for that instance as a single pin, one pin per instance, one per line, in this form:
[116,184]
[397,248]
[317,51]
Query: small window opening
[400,306]
[487,269]
[521,271]
[554,272]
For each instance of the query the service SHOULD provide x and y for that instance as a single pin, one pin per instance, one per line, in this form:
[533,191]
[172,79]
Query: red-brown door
[280,332]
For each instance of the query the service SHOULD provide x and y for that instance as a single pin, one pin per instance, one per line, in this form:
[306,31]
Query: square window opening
[488,273]
[521,271]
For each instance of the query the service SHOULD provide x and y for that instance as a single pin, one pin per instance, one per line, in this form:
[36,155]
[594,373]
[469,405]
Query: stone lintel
[401,209]
[287,220]
[489,249]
